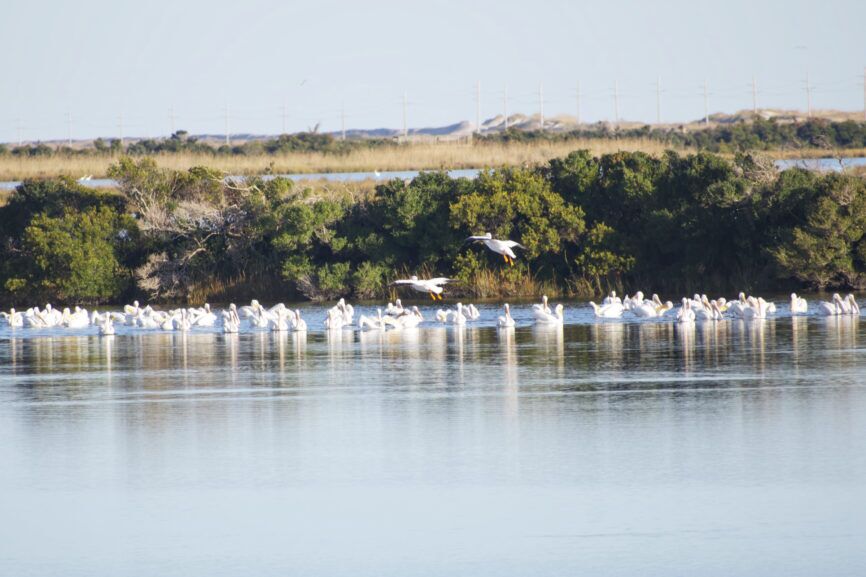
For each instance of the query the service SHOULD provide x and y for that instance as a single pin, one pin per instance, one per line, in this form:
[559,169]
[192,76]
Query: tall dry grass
[427,156]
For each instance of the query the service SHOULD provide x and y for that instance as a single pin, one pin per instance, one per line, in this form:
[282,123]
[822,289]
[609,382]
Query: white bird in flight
[503,247]
[432,286]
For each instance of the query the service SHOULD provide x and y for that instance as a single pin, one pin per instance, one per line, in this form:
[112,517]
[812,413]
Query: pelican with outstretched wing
[503,247]
[433,286]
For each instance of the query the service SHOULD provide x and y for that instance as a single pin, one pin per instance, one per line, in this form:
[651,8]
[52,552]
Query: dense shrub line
[697,222]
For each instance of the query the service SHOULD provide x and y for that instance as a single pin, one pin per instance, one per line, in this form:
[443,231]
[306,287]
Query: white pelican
[298,324]
[798,304]
[411,318]
[231,320]
[13,319]
[107,327]
[281,323]
[850,306]
[394,309]
[432,286]
[549,318]
[373,323]
[543,306]
[649,309]
[457,317]
[203,317]
[505,321]
[686,314]
[608,311]
[613,299]
[503,247]
[832,308]
[77,320]
[334,319]
[472,313]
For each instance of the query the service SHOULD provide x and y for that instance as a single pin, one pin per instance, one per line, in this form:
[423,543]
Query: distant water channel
[810,163]
[597,448]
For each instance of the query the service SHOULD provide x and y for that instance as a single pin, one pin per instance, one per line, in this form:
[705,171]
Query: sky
[88,67]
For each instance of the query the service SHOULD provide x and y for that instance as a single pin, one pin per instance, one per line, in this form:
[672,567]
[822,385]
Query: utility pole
[754,96]
[69,128]
[578,102]
[808,96]
[405,126]
[616,102]
[478,108]
[505,105]
[171,118]
[541,105]
[706,103]
[659,100]
[228,138]
[342,121]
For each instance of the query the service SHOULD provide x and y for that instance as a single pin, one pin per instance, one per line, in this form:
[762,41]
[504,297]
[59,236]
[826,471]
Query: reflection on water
[602,448]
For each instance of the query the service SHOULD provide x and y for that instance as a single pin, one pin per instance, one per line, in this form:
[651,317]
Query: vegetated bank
[311,152]
[670,223]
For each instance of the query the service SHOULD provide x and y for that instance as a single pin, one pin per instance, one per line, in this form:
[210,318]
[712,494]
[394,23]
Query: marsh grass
[427,156]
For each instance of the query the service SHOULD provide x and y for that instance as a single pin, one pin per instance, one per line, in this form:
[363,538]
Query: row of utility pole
[808,88]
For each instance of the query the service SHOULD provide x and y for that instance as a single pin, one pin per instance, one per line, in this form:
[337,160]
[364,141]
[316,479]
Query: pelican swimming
[231,320]
[555,318]
[13,319]
[798,304]
[832,308]
[410,319]
[686,314]
[610,311]
[298,324]
[543,306]
[433,286]
[107,326]
[505,321]
[502,247]
[373,323]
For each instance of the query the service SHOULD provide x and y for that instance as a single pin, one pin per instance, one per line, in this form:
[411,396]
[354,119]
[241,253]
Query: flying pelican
[502,247]
[432,286]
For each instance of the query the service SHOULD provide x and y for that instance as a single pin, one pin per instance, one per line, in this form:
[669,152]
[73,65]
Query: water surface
[598,448]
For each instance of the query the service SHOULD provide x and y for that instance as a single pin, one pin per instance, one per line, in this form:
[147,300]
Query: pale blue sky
[100,58]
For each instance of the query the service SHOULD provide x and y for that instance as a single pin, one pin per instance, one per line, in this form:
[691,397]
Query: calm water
[811,164]
[614,448]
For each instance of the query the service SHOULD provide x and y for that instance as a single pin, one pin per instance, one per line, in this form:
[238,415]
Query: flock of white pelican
[701,308]
[281,318]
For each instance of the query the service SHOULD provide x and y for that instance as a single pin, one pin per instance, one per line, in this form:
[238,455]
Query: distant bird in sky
[502,247]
